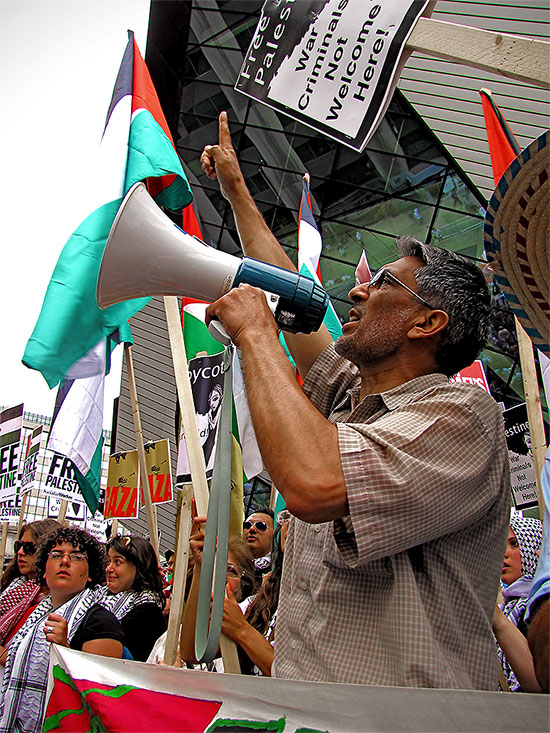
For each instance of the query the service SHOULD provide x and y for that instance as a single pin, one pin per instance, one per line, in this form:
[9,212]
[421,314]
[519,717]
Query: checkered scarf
[528,532]
[122,603]
[26,674]
[14,601]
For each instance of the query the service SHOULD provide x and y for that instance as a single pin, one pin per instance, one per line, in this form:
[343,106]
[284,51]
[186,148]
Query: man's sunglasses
[260,526]
[384,275]
[29,548]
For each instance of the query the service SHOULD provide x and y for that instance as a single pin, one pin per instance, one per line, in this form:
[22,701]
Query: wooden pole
[149,507]
[22,513]
[114,527]
[534,407]
[181,561]
[62,511]
[3,544]
[514,57]
[199,485]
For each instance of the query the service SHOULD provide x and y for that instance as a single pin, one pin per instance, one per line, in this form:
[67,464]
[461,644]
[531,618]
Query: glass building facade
[404,182]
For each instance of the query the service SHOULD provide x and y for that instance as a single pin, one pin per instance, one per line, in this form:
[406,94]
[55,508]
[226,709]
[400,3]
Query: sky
[58,64]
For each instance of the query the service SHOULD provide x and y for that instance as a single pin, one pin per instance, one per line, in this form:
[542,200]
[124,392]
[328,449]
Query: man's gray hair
[456,285]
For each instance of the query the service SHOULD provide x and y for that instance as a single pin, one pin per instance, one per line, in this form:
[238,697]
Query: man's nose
[359,292]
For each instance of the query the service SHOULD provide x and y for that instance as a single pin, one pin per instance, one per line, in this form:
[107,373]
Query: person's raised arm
[187,637]
[220,162]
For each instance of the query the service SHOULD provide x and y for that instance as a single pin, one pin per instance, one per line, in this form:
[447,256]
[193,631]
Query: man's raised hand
[220,161]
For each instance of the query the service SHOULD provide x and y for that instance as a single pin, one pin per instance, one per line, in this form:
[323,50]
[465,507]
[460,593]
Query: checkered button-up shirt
[402,590]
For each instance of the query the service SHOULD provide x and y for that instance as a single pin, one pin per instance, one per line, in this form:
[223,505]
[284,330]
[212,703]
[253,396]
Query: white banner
[61,480]
[331,64]
[89,692]
[11,421]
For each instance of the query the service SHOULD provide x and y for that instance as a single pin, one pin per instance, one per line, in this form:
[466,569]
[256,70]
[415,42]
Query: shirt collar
[402,394]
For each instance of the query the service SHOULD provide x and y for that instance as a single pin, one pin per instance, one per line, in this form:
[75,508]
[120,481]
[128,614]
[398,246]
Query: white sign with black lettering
[332,64]
[522,467]
[61,480]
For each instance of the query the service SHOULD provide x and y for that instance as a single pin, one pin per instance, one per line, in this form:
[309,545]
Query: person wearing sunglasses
[20,591]
[71,563]
[397,479]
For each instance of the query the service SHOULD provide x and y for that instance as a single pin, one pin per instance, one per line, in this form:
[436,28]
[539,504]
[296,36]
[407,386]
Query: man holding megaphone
[397,479]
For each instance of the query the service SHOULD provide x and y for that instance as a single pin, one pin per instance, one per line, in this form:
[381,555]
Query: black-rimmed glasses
[383,274]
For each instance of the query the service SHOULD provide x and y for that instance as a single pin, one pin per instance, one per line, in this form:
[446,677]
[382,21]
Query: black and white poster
[331,64]
[522,467]
[206,375]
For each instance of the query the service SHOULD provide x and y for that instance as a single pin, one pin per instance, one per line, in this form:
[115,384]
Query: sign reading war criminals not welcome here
[331,64]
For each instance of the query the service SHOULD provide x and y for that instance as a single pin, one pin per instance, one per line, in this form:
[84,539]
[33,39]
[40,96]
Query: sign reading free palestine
[332,64]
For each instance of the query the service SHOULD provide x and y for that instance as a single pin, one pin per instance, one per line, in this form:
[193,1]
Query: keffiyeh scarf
[14,601]
[26,672]
[122,603]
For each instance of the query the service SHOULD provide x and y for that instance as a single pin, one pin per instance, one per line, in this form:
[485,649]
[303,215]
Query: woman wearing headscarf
[520,564]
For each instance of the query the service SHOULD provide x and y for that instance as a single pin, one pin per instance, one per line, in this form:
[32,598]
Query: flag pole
[534,407]
[62,510]
[200,490]
[149,507]
[3,543]
[22,512]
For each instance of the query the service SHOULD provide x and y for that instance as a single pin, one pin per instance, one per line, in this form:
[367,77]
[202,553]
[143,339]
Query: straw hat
[516,234]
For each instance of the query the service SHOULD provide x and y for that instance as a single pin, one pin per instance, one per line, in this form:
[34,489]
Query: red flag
[503,146]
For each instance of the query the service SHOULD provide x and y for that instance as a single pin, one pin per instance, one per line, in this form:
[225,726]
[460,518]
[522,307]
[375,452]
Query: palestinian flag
[73,338]
[136,146]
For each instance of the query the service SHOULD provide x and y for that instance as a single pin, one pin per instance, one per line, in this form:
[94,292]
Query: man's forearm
[299,446]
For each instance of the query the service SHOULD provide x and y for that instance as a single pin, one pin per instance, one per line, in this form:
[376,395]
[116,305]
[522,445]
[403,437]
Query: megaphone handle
[218,332]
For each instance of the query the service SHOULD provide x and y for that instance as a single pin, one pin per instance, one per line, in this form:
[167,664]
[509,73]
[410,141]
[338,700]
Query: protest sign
[11,421]
[473,374]
[206,375]
[157,460]
[121,495]
[61,480]
[331,64]
[30,464]
[11,508]
[75,514]
[522,469]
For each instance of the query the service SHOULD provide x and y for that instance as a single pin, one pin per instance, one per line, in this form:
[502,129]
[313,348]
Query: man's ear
[428,324]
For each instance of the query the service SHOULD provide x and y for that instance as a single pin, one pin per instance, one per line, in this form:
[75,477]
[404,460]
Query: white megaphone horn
[147,254]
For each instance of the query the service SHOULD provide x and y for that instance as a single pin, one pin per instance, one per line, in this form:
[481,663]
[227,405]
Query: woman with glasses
[71,563]
[135,593]
[20,592]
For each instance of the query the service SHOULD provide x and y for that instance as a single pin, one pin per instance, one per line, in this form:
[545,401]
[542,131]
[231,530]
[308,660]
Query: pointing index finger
[225,137]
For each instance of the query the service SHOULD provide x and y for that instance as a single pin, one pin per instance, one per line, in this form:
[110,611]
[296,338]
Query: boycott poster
[121,495]
[157,460]
[331,64]
[11,421]
[474,374]
[61,480]
[522,468]
[30,464]
[206,375]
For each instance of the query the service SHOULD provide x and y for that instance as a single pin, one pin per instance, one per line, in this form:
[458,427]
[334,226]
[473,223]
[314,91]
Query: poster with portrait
[331,64]
[206,375]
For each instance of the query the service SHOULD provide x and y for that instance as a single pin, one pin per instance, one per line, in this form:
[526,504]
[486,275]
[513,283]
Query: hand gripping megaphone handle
[220,334]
